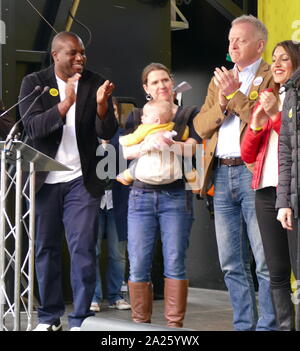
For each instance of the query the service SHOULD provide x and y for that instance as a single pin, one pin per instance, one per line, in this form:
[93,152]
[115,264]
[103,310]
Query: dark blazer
[44,124]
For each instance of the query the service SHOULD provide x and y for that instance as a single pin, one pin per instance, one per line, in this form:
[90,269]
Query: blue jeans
[150,212]
[236,228]
[116,251]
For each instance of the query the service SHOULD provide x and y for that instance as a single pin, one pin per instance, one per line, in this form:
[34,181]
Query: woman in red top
[260,145]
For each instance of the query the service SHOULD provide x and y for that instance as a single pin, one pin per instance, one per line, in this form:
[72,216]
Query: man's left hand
[104,92]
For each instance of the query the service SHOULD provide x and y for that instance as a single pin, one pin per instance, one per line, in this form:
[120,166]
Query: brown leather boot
[141,301]
[175,301]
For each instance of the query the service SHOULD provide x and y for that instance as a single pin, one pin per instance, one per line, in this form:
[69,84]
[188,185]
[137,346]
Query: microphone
[291,82]
[11,132]
[183,86]
[35,90]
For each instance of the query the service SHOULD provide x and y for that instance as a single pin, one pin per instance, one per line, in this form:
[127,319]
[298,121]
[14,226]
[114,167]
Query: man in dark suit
[64,124]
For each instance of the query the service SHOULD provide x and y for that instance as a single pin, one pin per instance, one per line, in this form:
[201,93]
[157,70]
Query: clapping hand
[267,107]
[227,82]
[104,92]
[269,102]
[70,88]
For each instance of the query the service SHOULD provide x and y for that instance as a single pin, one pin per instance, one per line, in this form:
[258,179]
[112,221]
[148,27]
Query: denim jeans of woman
[168,212]
[236,231]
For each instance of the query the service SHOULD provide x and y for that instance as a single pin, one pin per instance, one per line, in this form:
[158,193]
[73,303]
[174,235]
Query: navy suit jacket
[44,124]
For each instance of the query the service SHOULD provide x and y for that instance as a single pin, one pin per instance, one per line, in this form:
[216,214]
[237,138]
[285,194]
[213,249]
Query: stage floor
[207,310]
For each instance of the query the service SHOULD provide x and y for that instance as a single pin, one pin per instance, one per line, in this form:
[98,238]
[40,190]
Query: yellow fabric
[256,129]
[228,97]
[282,18]
[142,131]
[185,134]
[146,129]
[293,282]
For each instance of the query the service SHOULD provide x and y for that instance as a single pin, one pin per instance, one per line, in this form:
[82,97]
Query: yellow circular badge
[290,113]
[253,95]
[53,92]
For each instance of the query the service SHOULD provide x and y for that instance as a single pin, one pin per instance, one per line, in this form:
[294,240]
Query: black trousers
[66,207]
[279,244]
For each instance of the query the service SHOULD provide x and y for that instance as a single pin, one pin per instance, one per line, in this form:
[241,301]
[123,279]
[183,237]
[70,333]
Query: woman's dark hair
[292,48]
[154,66]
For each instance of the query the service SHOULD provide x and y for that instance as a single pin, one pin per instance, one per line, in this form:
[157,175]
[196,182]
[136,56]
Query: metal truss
[16,245]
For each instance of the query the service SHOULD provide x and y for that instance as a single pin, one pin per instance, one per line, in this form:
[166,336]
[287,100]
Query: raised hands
[104,92]
[269,102]
[259,117]
[70,95]
[70,88]
[227,82]
[267,107]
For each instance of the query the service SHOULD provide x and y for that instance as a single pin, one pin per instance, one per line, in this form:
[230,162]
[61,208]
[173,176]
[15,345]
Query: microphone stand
[10,137]
[36,89]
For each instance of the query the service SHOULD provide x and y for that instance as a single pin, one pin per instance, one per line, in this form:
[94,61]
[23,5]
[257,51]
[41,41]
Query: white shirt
[67,152]
[229,133]
[269,175]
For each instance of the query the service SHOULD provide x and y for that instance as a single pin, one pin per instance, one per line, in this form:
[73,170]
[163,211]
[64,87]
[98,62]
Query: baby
[151,167]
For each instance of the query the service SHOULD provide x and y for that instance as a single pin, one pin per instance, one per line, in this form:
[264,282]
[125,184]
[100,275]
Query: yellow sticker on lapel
[290,113]
[253,95]
[53,92]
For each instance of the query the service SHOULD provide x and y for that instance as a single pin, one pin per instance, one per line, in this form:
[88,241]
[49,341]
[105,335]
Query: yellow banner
[282,19]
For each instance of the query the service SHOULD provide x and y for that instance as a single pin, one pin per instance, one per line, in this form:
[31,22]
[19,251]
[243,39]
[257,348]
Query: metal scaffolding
[17,232]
